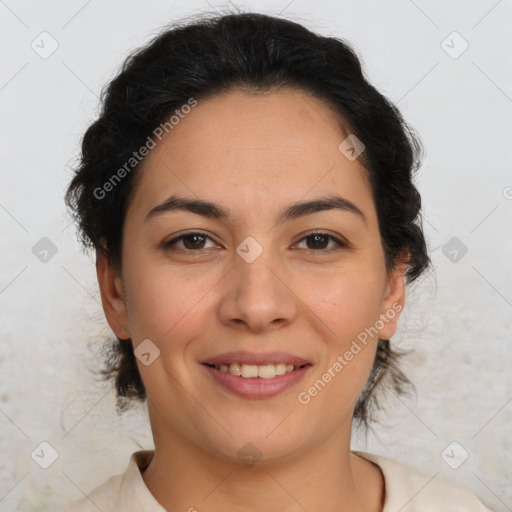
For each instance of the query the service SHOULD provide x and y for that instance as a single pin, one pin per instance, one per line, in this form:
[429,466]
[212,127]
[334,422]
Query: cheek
[347,302]
[170,310]
[349,306]
[164,305]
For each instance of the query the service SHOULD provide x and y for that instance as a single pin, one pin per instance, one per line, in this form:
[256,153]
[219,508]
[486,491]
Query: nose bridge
[258,294]
[256,264]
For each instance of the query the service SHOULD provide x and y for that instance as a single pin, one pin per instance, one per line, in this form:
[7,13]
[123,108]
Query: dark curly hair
[256,53]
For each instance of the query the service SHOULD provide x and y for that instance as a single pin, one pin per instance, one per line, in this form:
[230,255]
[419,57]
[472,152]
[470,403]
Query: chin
[252,446]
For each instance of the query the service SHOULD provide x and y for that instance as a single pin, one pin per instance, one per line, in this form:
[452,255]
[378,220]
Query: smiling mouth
[252,371]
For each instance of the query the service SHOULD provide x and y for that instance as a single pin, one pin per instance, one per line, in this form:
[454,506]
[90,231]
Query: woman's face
[253,281]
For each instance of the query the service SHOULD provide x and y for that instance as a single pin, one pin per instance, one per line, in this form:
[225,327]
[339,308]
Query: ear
[393,301]
[112,296]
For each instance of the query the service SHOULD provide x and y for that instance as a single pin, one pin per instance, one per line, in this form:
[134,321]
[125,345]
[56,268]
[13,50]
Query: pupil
[195,237]
[316,237]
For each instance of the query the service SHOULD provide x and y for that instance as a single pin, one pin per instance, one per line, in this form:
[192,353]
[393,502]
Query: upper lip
[260,358]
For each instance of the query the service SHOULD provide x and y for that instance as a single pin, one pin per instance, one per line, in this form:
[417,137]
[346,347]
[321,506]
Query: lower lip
[257,387]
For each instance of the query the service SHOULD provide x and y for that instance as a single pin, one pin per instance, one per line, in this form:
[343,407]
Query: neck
[182,476]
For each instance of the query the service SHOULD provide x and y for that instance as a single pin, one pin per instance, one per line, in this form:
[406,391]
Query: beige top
[406,489]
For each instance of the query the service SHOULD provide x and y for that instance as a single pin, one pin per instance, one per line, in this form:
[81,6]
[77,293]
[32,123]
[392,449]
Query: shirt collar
[134,488]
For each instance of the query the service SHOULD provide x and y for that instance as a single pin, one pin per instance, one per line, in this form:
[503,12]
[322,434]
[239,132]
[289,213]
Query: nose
[257,296]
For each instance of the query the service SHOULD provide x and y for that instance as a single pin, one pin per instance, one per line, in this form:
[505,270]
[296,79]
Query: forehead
[281,145]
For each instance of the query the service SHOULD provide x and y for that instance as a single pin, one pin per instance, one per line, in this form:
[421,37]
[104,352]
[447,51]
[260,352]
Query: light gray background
[458,321]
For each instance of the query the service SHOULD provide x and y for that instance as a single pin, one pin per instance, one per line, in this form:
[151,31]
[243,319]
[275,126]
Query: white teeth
[235,369]
[280,368]
[249,370]
[265,371]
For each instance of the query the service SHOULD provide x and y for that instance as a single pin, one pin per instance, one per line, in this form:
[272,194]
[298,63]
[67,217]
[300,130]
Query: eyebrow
[290,212]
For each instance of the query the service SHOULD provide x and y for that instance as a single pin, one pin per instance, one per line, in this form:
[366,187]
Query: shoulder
[126,491]
[104,497]
[408,489]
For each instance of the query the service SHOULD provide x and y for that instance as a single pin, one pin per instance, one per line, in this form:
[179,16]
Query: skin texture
[253,155]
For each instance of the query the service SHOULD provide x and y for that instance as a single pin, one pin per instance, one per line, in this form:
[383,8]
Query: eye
[193,242]
[318,241]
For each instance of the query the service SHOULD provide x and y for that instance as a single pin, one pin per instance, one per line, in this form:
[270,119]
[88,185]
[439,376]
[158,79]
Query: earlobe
[112,296]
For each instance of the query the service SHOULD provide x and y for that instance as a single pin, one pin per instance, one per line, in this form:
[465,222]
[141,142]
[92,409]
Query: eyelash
[171,243]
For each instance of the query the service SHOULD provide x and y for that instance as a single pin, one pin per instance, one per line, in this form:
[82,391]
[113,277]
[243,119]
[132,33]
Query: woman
[250,200]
